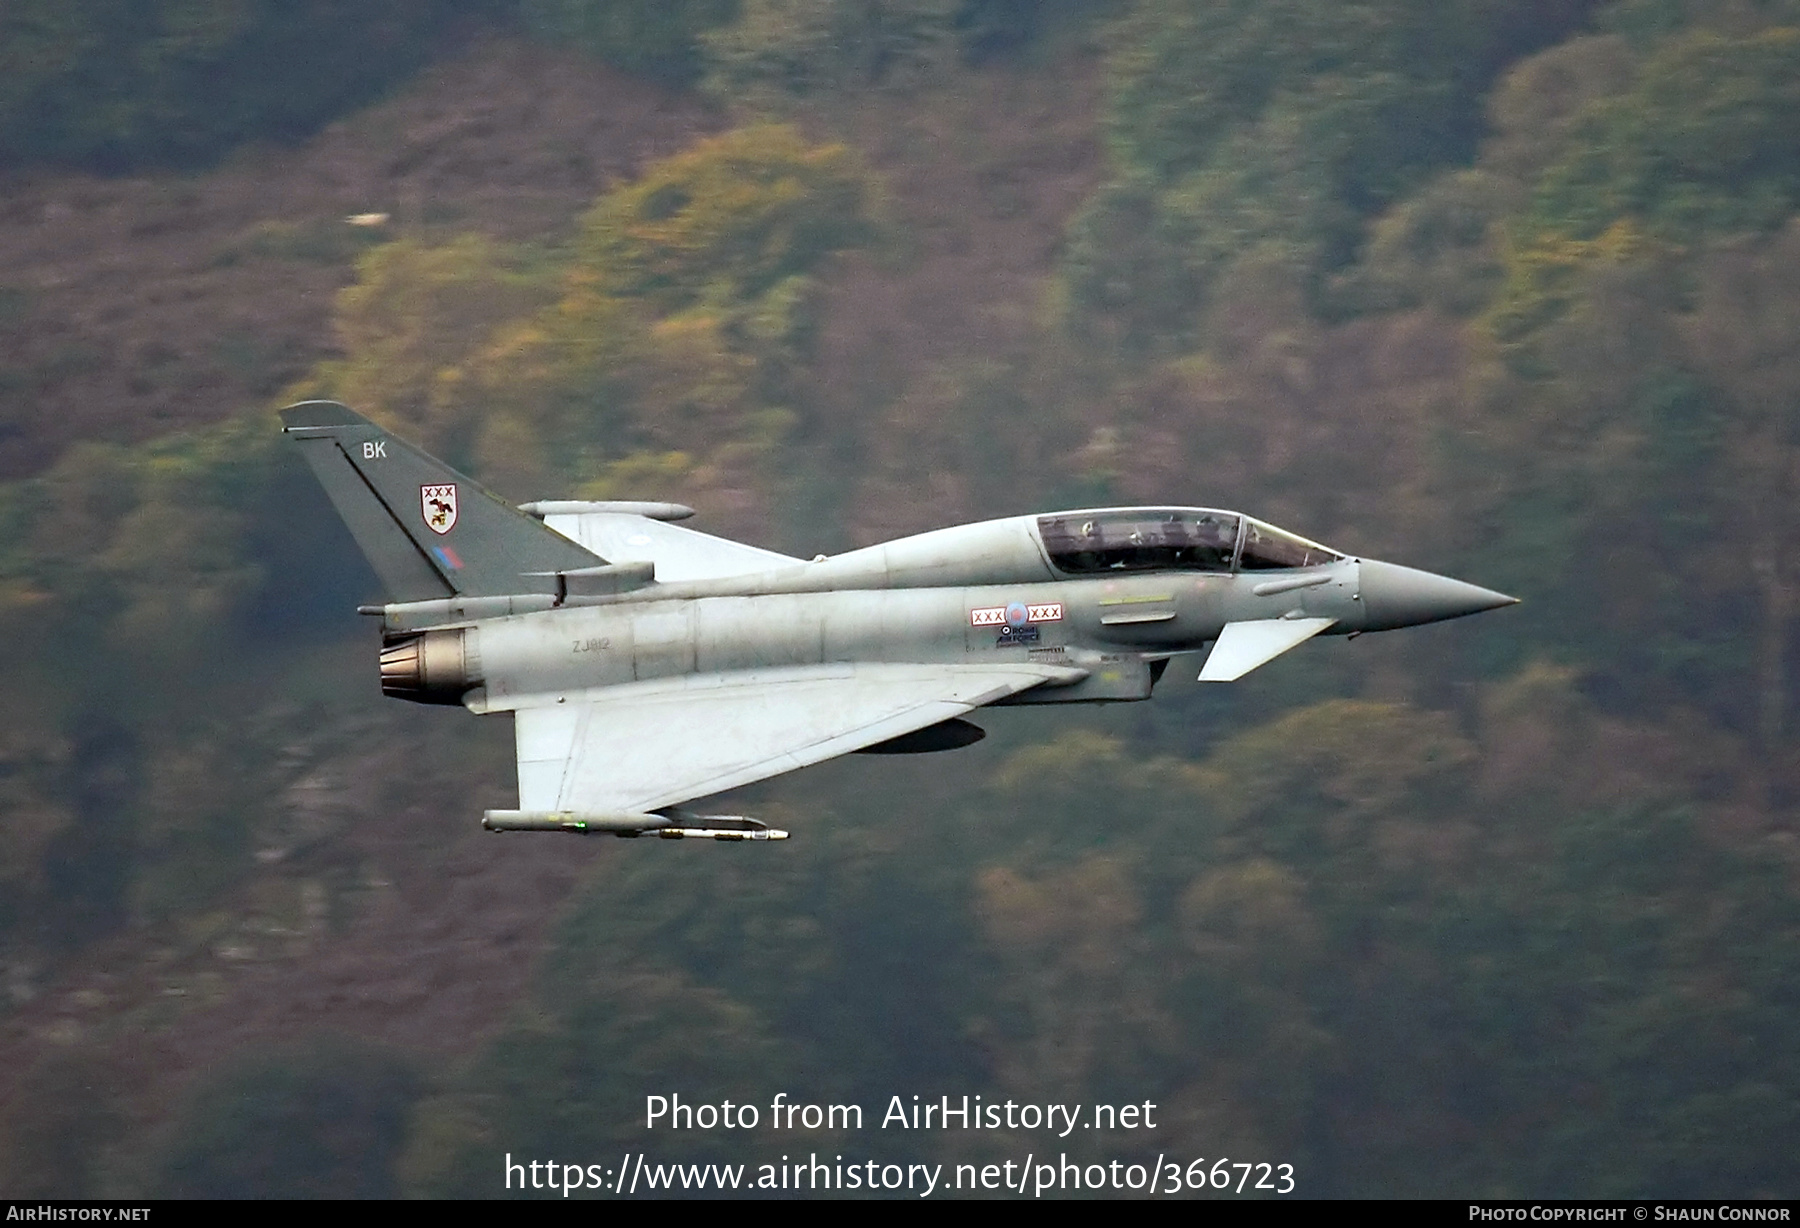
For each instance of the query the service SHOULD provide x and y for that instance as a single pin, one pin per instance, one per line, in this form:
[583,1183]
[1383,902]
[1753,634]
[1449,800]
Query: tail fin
[428,531]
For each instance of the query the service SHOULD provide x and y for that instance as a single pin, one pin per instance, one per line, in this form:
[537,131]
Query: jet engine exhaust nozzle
[436,667]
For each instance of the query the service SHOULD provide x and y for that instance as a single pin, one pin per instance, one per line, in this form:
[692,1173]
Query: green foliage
[1289,124]
[676,318]
[1615,461]
[1529,974]
[801,47]
[1641,885]
[135,584]
[1543,276]
[1647,20]
[1693,147]
[413,324]
[324,1121]
[122,83]
[1436,247]
[1698,146]
[728,222]
[574,1085]
[832,975]
[767,51]
[1186,74]
[1537,101]
[659,38]
[993,28]
[1626,176]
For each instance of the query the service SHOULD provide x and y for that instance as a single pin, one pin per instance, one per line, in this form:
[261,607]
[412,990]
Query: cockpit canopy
[1172,539]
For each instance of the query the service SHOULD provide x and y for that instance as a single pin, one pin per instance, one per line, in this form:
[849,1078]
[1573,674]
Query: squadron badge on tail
[439,505]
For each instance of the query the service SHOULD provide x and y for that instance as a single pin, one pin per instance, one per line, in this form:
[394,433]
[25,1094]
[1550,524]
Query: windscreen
[1267,548]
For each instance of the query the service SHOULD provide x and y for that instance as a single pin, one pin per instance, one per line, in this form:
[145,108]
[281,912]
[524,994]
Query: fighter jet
[647,665]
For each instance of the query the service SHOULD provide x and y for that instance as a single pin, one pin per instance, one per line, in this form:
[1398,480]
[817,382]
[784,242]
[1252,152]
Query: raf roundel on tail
[647,665]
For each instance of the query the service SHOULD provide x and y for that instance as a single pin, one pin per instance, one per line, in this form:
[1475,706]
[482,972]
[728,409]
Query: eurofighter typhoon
[647,665]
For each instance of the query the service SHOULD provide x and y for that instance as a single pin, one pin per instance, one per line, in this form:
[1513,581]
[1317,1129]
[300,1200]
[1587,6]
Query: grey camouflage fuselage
[914,600]
[648,664]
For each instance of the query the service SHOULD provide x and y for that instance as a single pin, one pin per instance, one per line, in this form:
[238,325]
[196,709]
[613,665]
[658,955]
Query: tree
[660,38]
[114,84]
[1287,124]
[1745,338]
[415,321]
[788,48]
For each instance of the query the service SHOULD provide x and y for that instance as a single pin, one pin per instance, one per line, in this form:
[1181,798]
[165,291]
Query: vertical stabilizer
[427,530]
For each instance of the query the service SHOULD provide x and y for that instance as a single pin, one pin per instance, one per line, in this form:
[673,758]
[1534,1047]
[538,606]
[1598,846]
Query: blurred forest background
[1508,289]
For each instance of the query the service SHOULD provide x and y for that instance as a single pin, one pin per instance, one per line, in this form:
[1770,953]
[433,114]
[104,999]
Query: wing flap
[640,747]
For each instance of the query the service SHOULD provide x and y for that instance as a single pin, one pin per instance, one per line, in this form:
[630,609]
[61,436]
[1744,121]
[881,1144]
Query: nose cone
[1394,596]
